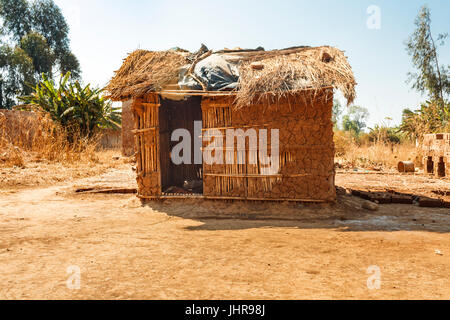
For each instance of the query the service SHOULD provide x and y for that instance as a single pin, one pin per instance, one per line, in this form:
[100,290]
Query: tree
[17,69]
[16,17]
[431,117]
[40,31]
[336,113]
[69,63]
[432,77]
[48,20]
[355,120]
[36,47]
[385,134]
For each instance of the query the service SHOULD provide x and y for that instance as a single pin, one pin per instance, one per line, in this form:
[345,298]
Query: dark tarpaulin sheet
[215,71]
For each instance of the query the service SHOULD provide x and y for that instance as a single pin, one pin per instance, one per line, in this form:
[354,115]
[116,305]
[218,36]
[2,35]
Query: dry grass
[35,151]
[378,155]
[284,72]
[145,71]
[288,73]
[34,136]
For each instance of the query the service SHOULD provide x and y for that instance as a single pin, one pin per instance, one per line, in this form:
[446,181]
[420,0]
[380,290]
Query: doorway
[441,168]
[173,115]
[430,165]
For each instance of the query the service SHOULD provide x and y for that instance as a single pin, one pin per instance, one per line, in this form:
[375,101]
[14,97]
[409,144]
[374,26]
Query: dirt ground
[215,250]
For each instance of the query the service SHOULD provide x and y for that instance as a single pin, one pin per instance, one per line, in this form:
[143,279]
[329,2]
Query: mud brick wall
[127,128]
[306,148]
[305,144]
[436,150]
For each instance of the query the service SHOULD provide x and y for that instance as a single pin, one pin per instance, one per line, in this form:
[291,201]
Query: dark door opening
[430,165]
[441,167]
[173,115]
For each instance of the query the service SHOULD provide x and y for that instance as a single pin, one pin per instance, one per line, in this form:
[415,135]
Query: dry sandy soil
[214,250]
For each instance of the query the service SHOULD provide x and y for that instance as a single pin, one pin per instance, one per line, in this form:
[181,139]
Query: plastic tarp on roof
[215,71]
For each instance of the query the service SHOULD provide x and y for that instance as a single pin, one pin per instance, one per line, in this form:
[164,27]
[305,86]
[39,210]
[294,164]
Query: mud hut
[285,94]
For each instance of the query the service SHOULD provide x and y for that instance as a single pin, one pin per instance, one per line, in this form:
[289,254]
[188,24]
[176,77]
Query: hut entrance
[441,167]
[430,165]
[173,115]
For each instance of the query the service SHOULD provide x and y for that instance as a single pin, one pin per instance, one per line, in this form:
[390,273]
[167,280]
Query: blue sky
[103,32]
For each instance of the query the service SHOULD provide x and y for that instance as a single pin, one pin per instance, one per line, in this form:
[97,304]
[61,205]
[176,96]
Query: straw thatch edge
[284,72]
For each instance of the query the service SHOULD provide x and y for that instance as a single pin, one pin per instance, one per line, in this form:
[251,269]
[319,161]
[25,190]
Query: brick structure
[436,150]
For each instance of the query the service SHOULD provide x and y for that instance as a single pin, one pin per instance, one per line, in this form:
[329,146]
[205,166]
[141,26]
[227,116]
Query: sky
[372,34]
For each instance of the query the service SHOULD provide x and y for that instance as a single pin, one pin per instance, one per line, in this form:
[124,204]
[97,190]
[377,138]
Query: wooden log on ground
[430,202]
[361,194]
[402,198]
[441,192]
[107,190]
[380,197]
[406,167]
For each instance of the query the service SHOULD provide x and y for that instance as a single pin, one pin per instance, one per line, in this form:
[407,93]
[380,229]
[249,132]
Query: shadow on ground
[346,215]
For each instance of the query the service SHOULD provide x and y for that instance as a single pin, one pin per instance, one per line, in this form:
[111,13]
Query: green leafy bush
[432,117]
[80,108]
[385,134]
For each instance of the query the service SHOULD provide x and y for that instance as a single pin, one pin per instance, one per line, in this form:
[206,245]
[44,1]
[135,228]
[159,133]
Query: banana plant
[73,105]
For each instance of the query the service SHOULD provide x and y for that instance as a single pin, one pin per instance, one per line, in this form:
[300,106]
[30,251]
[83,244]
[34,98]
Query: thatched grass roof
[145,71]
[261,73]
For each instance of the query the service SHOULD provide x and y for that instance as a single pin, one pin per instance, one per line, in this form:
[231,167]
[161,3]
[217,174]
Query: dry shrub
[34,136]
[11,155]
[342,141]
[381,155]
